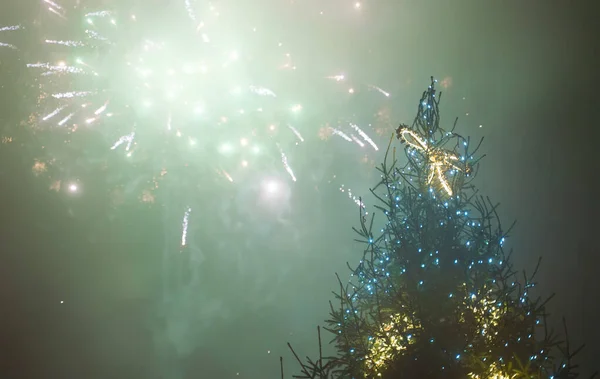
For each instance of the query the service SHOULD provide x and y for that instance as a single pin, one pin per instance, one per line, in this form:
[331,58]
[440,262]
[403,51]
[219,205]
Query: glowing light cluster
[487,311]
[494,372]
[383,348]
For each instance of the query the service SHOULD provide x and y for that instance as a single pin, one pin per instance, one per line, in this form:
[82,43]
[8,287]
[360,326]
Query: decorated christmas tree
[435,294]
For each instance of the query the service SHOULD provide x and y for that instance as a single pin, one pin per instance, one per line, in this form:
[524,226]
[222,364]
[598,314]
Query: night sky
[82,271]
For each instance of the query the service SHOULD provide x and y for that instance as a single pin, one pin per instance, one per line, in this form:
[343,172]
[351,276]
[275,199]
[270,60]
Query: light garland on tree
[488,313]
[494,373]
[387,344]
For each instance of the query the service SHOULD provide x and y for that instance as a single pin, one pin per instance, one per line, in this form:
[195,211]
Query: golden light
[493,373]
[440,161]
[39,168]
[387,344]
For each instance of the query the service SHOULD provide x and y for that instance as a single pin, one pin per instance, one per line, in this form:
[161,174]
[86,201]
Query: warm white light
[272,187]
[225,148]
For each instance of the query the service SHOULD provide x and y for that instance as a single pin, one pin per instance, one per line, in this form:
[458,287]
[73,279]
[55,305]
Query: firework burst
[171,90]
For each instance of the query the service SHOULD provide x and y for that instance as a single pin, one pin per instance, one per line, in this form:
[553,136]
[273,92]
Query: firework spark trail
[341,134]
[55,8]
[64,120]
[56,12]
[126,138]
[10,28]
[53,4]
[92,34]
[225,174]
[184,226]
[352,197]
[53,113]
[101,110]
[337,78]
[68,95]
[296,132]
[286,164]
[261,91]
[386,94]
[66,43]
[364,136]
[358,141]
[56,69]
[99,14]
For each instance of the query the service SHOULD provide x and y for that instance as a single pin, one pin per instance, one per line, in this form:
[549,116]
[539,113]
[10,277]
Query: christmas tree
[435,294]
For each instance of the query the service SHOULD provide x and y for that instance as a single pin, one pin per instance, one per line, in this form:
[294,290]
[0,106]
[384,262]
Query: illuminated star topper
[440,160]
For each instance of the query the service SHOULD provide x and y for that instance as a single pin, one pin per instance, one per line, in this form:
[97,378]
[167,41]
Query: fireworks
[194,106]
[184,226]
[140,81]
[9,29]
[195,88]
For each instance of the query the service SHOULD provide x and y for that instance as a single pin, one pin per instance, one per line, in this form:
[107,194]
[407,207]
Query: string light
[393,302]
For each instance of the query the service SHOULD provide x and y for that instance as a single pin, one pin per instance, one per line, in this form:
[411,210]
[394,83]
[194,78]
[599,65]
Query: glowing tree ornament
[440,161]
